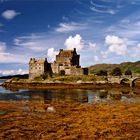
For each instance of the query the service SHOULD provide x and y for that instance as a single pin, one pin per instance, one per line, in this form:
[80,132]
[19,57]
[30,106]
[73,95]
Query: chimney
[61,50]
[46,60]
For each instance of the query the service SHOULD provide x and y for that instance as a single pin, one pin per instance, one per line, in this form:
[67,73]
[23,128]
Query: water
[76,95]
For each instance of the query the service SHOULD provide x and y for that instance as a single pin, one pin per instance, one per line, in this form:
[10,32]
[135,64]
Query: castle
[66,63]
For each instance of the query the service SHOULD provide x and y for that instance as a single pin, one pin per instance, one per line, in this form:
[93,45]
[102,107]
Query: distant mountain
[133,66]
[24,76]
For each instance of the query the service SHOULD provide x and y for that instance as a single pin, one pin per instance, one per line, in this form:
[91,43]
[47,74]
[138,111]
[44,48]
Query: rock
[51,109]
[79,82]
[97,99]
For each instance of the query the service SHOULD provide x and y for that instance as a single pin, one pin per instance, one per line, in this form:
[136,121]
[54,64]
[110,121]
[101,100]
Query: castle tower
[38,67]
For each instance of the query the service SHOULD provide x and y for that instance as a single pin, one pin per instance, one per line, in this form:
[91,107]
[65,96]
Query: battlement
[66,61]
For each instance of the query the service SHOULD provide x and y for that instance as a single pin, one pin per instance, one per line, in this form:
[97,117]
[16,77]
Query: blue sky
[103,31]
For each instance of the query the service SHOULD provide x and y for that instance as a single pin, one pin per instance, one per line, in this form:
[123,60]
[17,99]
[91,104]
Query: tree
[46,75]
[102,73]
[116,72]
[128,72]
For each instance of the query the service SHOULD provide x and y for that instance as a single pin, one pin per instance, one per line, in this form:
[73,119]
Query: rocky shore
[69,121]
[62,85]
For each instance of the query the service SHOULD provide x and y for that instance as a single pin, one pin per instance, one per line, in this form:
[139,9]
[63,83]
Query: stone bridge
[124,79]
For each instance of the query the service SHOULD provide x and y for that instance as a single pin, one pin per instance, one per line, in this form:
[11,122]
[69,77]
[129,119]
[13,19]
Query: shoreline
[64,85]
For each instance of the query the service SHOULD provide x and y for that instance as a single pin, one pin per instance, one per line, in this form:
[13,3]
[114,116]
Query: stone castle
[66,63]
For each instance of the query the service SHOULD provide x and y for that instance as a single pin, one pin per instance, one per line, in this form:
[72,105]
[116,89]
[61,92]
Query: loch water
[76,95]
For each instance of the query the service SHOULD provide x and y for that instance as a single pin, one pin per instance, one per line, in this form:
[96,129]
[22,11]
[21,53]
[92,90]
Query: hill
[133,66]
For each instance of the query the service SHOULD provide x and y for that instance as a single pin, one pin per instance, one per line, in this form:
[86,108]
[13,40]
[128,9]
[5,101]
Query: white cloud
[10,14]
[32,43]
[2,46]
[116,45]
[104,54]
[92,45]
[74,42]
[96,58]
[52,54]
[108,11]
[68,27]
[13,72]
[37,45]
[6,57]
[128,27]
[111,40]
[136,51]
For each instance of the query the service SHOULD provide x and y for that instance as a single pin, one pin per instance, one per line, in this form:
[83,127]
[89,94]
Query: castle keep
[66,63]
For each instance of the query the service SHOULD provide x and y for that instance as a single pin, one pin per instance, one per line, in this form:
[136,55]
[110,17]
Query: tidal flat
[69,120]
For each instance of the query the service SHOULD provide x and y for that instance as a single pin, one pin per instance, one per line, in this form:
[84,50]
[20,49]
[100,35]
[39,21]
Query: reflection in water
[58,95]
[12,89]
[75,95]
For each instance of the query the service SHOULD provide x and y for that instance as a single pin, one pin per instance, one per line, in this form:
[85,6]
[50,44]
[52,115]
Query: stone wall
[38,67]
[35,70]
[66,61]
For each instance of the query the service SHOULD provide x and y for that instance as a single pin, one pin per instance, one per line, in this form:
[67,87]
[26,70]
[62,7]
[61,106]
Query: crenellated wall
[67,61]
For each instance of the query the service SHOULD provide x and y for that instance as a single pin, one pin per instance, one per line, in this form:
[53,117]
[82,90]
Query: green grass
[70,78]
[77,78]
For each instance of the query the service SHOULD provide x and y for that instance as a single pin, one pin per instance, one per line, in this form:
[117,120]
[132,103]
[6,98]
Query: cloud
[136,51]
[33,42]
[128,27]
[2,46]
[38,45]
[102,8]
[96,58]
[34,45]
[116,45]
[69,27]
[74,42]
[108,11]
[13,72]
[92,45]
[8,57]
[113,40]
[52,54]
[10,14]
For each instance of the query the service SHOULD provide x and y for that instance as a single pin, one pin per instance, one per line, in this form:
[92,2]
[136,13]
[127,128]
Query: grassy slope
[133,66]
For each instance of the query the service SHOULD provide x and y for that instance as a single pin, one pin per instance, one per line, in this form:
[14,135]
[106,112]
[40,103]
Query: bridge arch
[136,82]
[125,82]
[62,72]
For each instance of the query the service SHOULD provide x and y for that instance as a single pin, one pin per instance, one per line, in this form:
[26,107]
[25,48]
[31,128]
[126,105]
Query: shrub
[15,79]
[128,72]
[46,75]
[116,72]
[102,73]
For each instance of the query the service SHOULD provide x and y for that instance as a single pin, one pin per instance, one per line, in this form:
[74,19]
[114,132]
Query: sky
[102,31]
